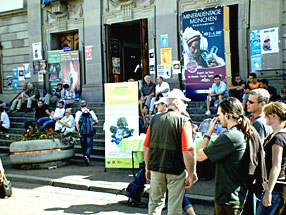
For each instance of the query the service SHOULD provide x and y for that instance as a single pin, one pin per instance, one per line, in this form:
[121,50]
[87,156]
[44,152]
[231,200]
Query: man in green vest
[168,151]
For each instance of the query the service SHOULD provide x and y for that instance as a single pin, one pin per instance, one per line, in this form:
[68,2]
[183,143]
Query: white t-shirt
[5,120]
[78,114]
[163,86]
[59,112]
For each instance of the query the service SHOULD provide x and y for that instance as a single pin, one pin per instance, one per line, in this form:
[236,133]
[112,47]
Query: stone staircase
[195,109]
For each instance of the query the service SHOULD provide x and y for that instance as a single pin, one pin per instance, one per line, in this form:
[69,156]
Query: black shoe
[86,160]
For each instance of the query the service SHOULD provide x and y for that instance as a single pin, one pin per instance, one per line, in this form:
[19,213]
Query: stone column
[34,28]
[93,88]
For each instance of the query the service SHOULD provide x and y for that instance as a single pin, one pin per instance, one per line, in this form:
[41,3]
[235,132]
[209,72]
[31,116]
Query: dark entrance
[127,51]
[233,26]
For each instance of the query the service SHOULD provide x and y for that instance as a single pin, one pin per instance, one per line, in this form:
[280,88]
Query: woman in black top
[275,158]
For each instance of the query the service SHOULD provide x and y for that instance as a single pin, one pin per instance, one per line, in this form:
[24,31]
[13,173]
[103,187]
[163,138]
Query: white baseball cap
[161,100]
[177,94]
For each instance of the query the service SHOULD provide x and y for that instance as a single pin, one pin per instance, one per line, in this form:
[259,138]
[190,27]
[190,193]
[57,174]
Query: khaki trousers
[176,188]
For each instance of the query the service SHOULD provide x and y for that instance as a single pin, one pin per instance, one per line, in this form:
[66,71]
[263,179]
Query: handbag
[5,187]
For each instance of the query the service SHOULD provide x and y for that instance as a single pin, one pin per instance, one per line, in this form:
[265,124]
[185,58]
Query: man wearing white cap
[161,105]
[168,150]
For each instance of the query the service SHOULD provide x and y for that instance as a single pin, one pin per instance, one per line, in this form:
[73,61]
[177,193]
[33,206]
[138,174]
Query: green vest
[165,152]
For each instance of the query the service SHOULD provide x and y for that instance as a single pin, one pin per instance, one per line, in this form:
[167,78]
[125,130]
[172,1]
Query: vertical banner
[54,68]
[70,69]
[203,45]
[255,50]
[121,121]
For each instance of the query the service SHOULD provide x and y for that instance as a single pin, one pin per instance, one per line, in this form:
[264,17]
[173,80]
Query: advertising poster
[166,56]
[116,65]
[15,73]
[15,84]
[167,72]
[21,75]
[88,52]
[151,61]
[37,51]
[36,66]
[43,66]
[255,49]
[176,67]
[164,41]
[203,48]
[121,121]
[54,68]
[70,69]
[9,82]
[27,70]
[160,70]
[269,41]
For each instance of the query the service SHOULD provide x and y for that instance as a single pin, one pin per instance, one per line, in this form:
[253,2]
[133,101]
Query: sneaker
[208,113]
[86,160]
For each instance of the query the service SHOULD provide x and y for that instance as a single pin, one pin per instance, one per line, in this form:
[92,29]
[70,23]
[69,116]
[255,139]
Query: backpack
[86,124]
[253,167]
[136,187]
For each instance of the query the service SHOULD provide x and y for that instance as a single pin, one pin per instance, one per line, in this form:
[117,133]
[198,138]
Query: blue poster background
[203,28]
[255,50]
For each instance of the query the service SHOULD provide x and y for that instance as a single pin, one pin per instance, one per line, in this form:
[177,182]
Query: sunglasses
[252,102]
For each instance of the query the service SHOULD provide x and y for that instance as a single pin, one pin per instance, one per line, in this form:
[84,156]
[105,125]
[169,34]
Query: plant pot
[39,151]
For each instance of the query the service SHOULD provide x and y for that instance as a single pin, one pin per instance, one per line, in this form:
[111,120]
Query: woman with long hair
[275,158]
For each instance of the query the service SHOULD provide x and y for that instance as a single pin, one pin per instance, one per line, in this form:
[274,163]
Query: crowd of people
[170,154]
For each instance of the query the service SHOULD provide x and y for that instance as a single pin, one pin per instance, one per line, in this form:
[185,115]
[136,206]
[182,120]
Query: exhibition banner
[121,121]
[54,69]
[203,46]
[70,69]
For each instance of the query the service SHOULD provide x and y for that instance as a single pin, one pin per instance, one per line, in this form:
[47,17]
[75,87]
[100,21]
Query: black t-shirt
[279,99]
[279,139]
[41,111]
[272,91]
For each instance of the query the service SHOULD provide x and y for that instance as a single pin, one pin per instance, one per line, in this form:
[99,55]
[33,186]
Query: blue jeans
[86,142]
[185,204]
[29,123]
[46,122]
[276,200]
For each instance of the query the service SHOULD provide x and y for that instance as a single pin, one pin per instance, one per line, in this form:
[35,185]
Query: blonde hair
[278,108]
[68,110]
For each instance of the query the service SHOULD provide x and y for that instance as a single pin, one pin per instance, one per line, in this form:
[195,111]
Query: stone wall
[14,38]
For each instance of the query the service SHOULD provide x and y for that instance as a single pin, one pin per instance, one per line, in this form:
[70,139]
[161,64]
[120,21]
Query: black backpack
[253,167]
[86,124]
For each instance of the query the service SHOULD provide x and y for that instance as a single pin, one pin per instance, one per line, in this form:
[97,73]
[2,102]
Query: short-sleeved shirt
[5,120]
[279,139]
[259,123]
[186,137]
[41,111]
[226,151]
[147,90]
[78,114]
[163,86]
[252,86]
[59,112]
[218,89]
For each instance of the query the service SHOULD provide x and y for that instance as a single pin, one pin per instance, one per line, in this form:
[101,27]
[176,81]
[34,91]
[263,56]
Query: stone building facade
[127,30]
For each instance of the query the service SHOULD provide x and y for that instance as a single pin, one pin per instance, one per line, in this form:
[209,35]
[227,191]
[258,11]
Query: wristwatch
[207,136]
